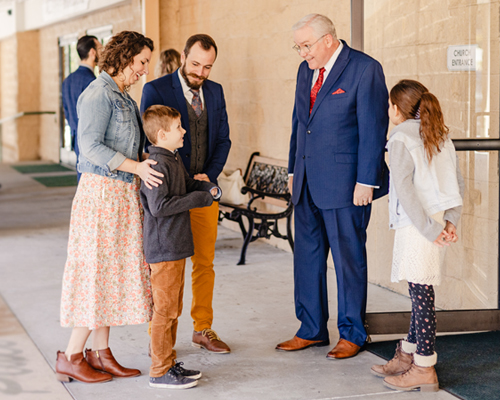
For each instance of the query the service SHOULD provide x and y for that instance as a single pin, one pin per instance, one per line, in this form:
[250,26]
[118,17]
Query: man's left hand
[201,177]
[363,195]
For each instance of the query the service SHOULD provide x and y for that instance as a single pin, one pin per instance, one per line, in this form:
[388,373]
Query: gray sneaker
[172,380]
[188,373]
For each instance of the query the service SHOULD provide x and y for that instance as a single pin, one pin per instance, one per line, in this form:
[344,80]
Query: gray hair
[321,25]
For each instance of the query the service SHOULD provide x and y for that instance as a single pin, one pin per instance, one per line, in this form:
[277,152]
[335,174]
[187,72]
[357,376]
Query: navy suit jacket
[72,87]
[343,140]
[167,91]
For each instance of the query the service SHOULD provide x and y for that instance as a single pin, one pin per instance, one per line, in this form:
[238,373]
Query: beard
[186,76]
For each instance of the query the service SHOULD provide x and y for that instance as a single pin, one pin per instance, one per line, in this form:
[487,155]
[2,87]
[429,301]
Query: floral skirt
[106,278]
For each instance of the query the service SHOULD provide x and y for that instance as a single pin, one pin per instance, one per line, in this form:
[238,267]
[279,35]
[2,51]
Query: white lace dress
[415,258]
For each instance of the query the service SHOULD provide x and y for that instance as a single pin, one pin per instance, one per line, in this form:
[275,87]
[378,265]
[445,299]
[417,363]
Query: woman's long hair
[415,101]
[168,62]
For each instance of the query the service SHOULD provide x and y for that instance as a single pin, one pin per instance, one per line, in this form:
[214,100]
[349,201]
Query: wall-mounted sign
[462,57]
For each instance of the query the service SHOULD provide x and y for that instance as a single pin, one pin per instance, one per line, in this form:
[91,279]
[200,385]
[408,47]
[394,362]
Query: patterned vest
[199,139]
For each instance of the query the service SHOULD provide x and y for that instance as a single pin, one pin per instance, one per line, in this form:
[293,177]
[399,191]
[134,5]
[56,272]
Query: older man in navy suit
[336,167]
[76,82]
[206,147]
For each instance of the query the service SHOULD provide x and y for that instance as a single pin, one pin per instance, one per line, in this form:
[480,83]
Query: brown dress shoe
[343,349]
[77,368]
[210,341]
[300,344]
[103,360]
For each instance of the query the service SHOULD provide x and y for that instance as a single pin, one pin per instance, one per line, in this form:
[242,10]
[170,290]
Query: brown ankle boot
[77,368]
[103,360]
[401,362]
[421,375]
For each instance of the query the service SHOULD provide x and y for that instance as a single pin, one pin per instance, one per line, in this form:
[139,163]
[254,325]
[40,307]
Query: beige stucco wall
[410,38]
[256,64]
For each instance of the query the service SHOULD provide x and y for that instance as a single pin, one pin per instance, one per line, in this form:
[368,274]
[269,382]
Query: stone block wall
[124,17]
[8,96]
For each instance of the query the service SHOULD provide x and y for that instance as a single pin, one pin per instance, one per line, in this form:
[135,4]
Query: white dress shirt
[187,90]
[328,66]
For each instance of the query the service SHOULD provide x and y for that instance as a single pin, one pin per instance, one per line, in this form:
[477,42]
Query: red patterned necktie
[196,102]
[316,88]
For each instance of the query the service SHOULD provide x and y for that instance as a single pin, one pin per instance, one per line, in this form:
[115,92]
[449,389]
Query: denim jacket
[419,189]
[109,129]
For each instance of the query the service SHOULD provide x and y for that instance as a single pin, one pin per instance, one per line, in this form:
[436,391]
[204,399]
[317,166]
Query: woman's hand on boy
[148,174]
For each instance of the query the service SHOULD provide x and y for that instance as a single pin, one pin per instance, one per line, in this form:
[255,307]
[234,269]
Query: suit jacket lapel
[208,96]
[333,76]
[305,91]
[181,101]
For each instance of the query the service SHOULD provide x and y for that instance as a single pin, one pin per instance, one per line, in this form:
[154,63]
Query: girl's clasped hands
[447,236]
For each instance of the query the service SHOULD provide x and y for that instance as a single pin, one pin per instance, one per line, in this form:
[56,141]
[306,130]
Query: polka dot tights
[423,318]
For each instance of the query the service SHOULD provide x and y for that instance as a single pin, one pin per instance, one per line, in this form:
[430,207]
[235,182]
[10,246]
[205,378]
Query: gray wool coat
[167,226]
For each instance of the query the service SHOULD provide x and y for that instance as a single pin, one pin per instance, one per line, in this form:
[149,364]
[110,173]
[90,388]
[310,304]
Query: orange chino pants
[167,284]
[204,227]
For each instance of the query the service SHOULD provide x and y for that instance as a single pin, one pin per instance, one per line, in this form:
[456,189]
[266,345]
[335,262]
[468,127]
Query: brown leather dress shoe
[210,341]
[78,369]
[103,360]
[343,349]
[300,344]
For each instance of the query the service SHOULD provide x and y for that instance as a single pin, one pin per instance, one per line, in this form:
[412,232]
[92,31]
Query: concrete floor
[253,312]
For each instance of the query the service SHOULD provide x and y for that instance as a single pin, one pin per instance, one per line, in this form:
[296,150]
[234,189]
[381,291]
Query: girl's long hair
[415,101]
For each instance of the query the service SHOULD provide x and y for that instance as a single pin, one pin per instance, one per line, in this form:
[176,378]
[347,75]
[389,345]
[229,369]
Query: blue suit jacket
[343,140]
[167,91]
[72,88]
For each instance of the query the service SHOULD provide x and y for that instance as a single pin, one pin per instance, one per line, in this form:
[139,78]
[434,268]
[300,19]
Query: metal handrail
[477,144]
[23,113]
[16,116]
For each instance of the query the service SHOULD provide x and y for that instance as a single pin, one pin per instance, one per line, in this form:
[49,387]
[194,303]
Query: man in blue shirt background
[73,86]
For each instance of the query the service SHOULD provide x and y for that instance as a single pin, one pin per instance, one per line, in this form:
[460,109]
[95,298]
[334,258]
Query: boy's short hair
[158,117]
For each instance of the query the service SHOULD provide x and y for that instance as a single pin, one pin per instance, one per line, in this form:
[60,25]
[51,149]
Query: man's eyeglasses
[307,47]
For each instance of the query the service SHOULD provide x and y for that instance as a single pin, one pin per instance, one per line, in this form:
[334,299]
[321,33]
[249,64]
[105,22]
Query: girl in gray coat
[425,203]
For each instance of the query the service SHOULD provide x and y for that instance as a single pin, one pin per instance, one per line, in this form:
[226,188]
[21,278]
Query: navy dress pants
[342,230]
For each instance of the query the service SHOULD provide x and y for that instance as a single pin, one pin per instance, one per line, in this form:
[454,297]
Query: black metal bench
[266,180]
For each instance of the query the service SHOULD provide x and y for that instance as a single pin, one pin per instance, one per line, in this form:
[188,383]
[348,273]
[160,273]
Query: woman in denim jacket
[106,279]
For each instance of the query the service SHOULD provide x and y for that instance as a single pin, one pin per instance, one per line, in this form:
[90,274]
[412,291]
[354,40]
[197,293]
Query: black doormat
[468,365]
[40,168]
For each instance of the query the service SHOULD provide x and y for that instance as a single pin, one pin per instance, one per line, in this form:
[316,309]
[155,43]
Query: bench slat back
[270,176]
